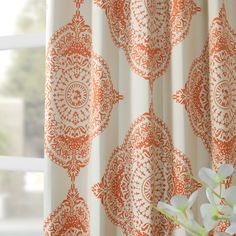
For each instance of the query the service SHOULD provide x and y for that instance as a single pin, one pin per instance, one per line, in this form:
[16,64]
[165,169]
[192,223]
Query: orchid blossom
[221,204]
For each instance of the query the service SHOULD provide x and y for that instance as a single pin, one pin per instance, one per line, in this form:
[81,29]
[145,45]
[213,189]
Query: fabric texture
[139,95]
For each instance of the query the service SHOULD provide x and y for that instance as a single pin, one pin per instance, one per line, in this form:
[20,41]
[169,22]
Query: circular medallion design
[210,93]
[70,91]
[145,30]
[149,15]
[149,184]
[145,169]
[79,96]
[222,95]
[76,95]
[151,187]
[70,218]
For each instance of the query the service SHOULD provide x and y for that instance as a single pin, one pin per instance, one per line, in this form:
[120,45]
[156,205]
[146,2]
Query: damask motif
[209,95]
[70,218]
[79,95]
[145,30]
[181,13]
[145,169]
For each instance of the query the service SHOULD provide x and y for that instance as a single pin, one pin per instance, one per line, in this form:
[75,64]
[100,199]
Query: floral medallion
[70,218]
[145,30]
[145,169]
[209,95]
[79,96]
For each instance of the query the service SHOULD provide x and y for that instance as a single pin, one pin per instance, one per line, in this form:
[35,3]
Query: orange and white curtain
[139,94]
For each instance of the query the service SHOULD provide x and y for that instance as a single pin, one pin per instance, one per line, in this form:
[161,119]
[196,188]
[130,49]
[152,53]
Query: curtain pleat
[139,95]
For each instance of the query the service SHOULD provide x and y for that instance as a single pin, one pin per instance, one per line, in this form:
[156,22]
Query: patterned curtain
[139,95]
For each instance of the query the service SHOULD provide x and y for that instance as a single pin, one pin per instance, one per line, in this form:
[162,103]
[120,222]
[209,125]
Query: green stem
[217,195]
[189,230]
[212,190]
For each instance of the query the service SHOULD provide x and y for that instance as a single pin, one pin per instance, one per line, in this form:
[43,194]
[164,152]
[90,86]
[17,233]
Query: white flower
[210,212]
[179,206]
[213,212]
[221,206]
[194,226]
[167,208]
[232,228]
[209,215]
[213,179]
[215,201]
[230,196]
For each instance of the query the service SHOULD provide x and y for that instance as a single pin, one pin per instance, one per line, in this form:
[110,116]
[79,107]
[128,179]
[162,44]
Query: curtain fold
[139,93]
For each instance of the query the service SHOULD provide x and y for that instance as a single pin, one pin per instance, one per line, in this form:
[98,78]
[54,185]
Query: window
[22,53]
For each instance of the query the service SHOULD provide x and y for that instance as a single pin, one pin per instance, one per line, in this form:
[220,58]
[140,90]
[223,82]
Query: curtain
[139,95]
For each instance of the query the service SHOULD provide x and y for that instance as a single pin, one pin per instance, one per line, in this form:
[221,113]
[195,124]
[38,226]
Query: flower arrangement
[221,205]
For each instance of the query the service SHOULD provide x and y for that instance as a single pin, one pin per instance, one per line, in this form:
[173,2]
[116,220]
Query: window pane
[22,102]
[21,203]
[22,16]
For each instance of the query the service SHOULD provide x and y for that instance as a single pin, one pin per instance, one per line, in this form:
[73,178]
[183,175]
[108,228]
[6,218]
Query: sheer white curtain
[138,93]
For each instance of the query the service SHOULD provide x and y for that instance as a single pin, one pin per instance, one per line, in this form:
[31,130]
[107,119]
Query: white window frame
[12,163]
[31,164]
[22,41]
[22,163]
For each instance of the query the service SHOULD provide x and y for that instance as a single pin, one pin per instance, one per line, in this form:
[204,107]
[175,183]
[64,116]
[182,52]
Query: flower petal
[208,176]
[196,227]
[210,197]
[210,224]
[230,195]
[231,229]
[225,171]
[219,189]
[167,208]
[233,219]
[226,210]
[205,210]
[192,198]
[179,201]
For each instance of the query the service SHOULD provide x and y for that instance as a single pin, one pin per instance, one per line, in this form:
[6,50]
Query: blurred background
[21,118]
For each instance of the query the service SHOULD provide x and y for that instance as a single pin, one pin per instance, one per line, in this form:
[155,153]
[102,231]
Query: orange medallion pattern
[145,169]
[79,101]
[181,12]
[147,29]
[209,95]
[70,218]
[79,96]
